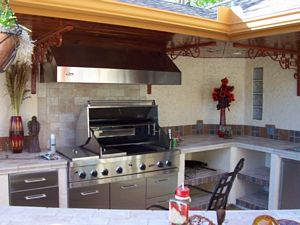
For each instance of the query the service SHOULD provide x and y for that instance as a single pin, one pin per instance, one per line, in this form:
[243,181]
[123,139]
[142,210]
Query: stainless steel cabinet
[128,194]
[161,185]
[160,189]
[289,185]
[96,196]
[46,197]
[161,200]
[34,189]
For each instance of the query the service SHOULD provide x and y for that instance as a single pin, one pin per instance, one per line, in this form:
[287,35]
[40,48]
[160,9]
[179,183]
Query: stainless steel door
[44,197]
[96,196]
[161,200]
[161,185]
[26,181]
[128,194]
[289,185]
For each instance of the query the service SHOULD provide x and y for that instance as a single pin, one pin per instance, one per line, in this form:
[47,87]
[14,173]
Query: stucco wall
[192,101]
[281,104]
[178,105]
[28,109]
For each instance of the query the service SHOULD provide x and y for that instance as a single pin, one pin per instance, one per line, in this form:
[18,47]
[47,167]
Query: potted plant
[16,48]
[17,76]
[9,35]
[15,43]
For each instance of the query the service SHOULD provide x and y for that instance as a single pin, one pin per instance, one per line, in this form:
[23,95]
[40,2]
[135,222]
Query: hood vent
[83,64]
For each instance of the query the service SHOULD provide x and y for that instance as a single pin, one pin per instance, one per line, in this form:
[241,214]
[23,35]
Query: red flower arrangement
[224,96]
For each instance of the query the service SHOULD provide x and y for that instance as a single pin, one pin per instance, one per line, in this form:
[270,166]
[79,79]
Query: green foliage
[16,77]
[202,3]
[7,16]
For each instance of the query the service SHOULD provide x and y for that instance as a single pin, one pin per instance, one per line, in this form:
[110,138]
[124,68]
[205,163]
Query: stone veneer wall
[60,104]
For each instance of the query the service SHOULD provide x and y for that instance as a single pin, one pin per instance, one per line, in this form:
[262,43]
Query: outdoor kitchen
[137,113]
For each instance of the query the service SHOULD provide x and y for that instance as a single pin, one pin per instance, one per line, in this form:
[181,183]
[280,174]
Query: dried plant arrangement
[16,77]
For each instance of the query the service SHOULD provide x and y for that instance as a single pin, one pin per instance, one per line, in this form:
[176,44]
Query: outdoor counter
[11,215]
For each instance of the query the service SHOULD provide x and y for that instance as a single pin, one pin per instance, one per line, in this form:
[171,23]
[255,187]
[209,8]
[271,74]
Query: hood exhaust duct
[83,64]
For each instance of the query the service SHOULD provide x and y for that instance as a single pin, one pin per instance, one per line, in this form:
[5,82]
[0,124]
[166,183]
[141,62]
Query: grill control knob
[160,164]
[142,166]
[105,172]
[119,170]
[168,163]
[82,175]
[94,173]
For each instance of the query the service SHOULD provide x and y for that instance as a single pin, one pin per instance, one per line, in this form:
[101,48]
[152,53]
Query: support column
[181,169]
[274,183]
[4,194]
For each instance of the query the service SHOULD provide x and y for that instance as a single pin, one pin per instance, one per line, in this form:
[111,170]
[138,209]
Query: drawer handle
[35,180]
[129,186]
[89,193]
[161,180]
[31,197]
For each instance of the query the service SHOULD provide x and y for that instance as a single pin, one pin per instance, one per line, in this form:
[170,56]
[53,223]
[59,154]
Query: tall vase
[222,117]
[16,134]
[221,131]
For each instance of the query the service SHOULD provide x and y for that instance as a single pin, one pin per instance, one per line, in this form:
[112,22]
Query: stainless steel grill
[119,140]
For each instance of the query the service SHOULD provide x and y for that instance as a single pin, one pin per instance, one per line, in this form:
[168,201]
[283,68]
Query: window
[257,93]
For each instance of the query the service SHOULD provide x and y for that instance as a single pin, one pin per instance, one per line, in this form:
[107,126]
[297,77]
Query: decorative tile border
[269,131]
[199,128]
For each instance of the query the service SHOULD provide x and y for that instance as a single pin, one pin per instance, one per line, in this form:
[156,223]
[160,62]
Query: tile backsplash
[60,104]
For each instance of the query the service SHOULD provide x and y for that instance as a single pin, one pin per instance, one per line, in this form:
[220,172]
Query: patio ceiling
[109,23]
[114,36]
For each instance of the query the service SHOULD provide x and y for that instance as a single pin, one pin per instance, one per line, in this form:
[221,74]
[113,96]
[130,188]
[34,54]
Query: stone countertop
[197,143]
[22,162]
[49,216]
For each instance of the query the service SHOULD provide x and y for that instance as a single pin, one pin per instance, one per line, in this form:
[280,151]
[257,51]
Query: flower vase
[222,124]
[16,134]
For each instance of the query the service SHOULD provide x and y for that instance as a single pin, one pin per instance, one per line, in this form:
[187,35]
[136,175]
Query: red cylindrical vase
[16,134]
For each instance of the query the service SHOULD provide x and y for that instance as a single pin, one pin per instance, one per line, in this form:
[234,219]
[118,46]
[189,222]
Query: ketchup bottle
[179,206]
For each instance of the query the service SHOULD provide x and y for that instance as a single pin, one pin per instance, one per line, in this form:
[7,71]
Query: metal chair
[219,197]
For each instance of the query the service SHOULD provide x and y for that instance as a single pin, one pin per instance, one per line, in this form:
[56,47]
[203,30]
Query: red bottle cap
[183,192]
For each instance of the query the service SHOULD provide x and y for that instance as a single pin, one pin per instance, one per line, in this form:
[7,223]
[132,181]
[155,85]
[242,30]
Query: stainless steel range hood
[83,64]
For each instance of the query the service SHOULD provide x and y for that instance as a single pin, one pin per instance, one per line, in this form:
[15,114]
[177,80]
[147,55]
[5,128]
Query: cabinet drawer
[96,196]
[27,181]
[46,197]
[162,201]
[128,194]
[161,185]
